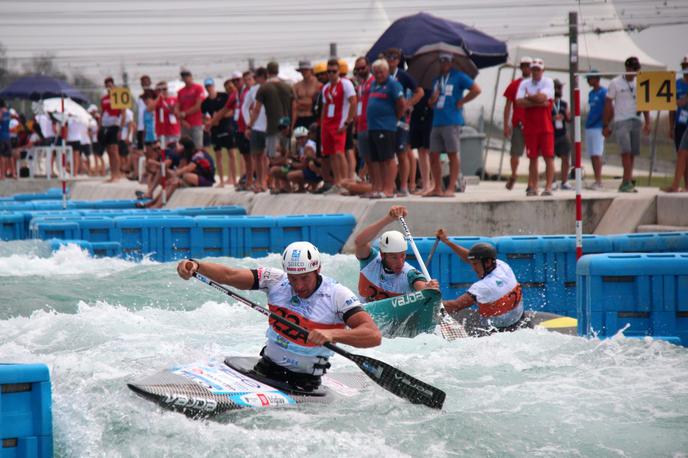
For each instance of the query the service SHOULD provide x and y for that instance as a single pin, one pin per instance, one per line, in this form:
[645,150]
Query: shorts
[311,176]
[5,148]
[110,135]
[85,149]
[594,141]
[363,145]
[683,144]
[540,144]
[271,142]
[679,130]
[242,143]
[223,140]
[97,149]
[14,142]
[257,142]
[305,121]
[383,145]
[139,139]
[627,135]
[76,146]
[196,134]
[445,139]
[518,142]
[419,133]
[562,146]
[123,149]
[47,141]
[349,144]
[204,182]
[332,141]
[402,139]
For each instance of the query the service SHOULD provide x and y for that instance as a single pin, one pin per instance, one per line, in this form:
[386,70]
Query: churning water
[99,323]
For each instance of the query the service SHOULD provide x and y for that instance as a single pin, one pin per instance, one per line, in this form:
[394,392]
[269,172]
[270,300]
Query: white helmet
[300,257]
[300,132]
[393,242]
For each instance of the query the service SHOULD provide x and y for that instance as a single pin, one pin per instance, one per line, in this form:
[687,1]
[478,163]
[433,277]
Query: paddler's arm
[460,303]
[459,250]
[238,278]
[363,239]
[362,332]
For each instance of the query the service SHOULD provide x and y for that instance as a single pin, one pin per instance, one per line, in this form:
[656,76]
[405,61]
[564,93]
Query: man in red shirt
[166,124]
[188,109]
[515,120]
[110,125]
[338,111]
[536,95]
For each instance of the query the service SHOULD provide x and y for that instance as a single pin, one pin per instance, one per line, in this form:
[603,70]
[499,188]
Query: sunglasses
[359,69]
[333,72]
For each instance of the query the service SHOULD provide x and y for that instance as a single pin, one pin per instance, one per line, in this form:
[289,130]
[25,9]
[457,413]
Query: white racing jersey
[374,283]
[499,297]
[327,308]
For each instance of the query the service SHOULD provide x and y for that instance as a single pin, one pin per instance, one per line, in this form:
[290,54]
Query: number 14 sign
[656,91]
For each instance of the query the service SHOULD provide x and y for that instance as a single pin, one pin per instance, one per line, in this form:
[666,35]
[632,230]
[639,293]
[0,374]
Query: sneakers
[402,193]
[332,190]
[566,186]
[597,187]
[627,186]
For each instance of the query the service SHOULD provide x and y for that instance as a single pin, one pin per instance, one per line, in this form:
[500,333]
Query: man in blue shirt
[594,140]
[386,105]
[678,129]
[447,102]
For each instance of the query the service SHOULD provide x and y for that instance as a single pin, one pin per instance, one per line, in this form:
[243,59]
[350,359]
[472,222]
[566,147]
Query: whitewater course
[98,323]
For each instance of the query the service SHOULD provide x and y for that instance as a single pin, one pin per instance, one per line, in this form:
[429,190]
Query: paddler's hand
[320,336]
[186,268]
[441,234]
[398,211]
[432,284]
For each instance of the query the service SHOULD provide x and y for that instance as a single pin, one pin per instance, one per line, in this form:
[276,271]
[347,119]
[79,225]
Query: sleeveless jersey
[375,284]
[326,308]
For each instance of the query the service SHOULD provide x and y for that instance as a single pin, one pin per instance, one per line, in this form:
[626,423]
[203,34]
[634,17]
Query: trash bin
[472,147]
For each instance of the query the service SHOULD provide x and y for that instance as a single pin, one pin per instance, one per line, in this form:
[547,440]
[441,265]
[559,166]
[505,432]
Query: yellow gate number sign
[120,98]
[656,91]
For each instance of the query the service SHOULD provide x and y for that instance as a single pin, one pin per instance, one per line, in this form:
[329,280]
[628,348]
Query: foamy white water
[527,393]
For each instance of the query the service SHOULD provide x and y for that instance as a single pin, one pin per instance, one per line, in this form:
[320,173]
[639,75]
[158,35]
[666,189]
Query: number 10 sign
[656,91]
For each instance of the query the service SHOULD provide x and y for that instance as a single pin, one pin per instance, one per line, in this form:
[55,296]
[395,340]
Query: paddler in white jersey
[497,293]
[330,311]
[384,271]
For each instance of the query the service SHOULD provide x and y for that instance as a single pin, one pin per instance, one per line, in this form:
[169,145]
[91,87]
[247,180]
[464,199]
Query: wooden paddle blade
[400,383]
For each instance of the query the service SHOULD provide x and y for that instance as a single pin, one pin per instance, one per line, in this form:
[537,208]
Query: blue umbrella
[422,36]
[38,87]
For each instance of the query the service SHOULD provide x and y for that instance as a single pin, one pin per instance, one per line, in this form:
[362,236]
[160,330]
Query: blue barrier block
[109,204]
[650,242]
[56,244]
[97,228]
[25,411]
[328,232]
[54,228]
[38,196]
[253,236]
[53,205]
[230,210]
[526,256]
[140,235]
[46,214]
[112,213]
[215,234]
[649,292]
[11,225]
[179,236]
[16,206]
[106,249]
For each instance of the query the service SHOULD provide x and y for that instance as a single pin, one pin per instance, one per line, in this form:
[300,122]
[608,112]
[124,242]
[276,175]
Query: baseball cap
[92,108]
[537,63]
[525,60]
[446,56]
[236,75]
[304,65]
[320,67]
[209,82]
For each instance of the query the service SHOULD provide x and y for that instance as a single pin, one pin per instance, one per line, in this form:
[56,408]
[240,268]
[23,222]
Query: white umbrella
[71,108]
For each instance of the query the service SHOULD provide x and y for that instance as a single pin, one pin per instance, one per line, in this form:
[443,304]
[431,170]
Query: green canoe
[407,315]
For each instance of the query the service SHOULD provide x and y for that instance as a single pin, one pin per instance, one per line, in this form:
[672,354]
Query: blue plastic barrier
[11,226]
[215,235]
[179,237]
[647,292]
[56,244]
[107,204]
[106,249]
[253,236]
[140,235]
[97,228]
[655,242]
[328,232]
[230,210]
[25,411]
[54,228]
[51,194]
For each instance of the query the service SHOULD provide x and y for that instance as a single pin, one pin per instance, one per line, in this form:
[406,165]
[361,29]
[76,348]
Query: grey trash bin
[472,147]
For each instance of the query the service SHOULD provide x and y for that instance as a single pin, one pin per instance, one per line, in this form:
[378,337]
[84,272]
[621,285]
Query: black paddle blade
[400,383]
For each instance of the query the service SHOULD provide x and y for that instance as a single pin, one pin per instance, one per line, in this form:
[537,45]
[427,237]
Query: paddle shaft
[407,234]
[432,251]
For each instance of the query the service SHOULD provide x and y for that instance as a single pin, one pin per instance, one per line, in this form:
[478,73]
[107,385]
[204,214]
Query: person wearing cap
[514,120]
[594,140]
[5,142]
[562,145]
[188,110]
[110,124]
[384,270]
[678,130]
[327,309]
[535,95]
[412,93]
[290,162]
[304,96]
[219,124]
[621,117]
[447,102]
[497,293]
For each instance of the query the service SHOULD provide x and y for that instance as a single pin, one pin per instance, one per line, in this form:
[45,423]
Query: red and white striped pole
[579,180]
[163,175]
[63,133]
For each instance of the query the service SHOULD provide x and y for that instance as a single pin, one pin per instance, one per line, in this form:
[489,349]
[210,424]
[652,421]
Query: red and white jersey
[336,103]
[110,116]
[166,123]
[538,119]
[327,308]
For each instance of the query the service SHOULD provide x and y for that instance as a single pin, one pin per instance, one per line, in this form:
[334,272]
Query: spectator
[287,163]
[678,130]
[241,141]
[339,108]
[125,139]
[514,120]
[304,96]
[188,110]
[85,148]
[419,139]
[620,106]
[256,130]
[594,140]
[110,125]
[386,105]
[167,127]
[219,125]
[74,141]
[535,95]
[47,127]
[562,145]
[365,81]
[412,93]
[96,145]
[308,175]
[447,102]
[5,143]
[350,151]
[147,134]
[140,111]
